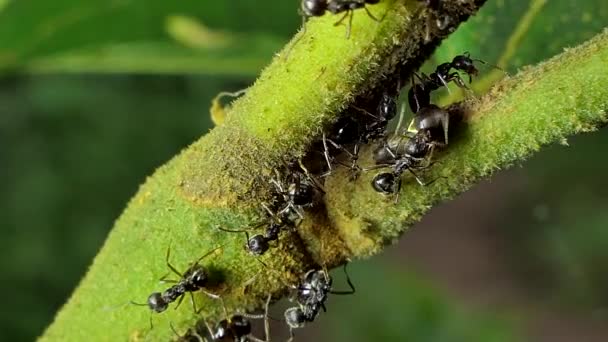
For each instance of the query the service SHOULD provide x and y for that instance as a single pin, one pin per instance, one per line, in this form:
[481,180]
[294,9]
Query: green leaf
[142,36]
[511,34]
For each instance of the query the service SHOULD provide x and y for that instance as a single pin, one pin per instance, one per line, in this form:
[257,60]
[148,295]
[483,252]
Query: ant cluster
[293,189]
[409,151]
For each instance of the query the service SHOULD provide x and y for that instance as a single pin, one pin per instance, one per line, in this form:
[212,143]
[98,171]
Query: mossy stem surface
[221,179]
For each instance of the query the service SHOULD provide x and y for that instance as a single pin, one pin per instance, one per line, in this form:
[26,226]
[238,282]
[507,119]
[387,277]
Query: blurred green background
[95,95]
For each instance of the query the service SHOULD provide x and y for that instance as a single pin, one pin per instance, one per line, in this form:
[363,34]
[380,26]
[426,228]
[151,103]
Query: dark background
[94,97]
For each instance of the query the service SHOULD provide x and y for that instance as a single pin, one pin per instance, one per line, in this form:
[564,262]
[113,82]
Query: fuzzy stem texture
[220,180]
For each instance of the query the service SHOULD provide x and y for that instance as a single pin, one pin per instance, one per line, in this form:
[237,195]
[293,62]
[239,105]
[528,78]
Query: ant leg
[416,177]
[164,279]
[398,190]
[342,19]
[459,81]
[350,284]
[312,178]
[291,335]
[207,254]
[375,167]
[350,22]
[266,322]
[213,295]
[169,264]
[179,302]
[326,152]
[370,14]
[193,302]
[400,122]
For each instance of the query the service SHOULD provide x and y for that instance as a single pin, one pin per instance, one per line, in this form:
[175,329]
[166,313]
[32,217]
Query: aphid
[194,279]
[310,295]
[419,95]
[317,8]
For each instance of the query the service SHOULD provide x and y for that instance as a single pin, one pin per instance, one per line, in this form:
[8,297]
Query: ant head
[240,325]
[465,63]
[257,245]
[199,277]
[294,317]
[157,303]
[313,8]
[384,183]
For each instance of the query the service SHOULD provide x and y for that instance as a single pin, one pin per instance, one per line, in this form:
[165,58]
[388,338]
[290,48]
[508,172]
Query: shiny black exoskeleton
[411,153]
[366,128]
[293,193]
[387,110]
[311,295]
[419,95]
[237,328]
[259,244]
[194,279]
[317,8]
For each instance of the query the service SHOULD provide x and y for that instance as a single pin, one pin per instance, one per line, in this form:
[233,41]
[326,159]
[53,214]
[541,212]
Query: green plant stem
[221,179]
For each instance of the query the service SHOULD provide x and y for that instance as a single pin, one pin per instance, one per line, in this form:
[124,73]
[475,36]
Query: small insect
[419,95]
[311,295]
[260,243]
[194,279]
[349,131]
[237,327]
[293,193]
[317,8]
[411,154]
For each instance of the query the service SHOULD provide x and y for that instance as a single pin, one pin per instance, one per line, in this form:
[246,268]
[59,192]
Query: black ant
[349,131]
[195,278]
[260,243]
[235,328]
[419,95]
[311,295]
[410,155]
[317,8]
[293,193]
[238,327]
